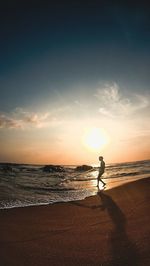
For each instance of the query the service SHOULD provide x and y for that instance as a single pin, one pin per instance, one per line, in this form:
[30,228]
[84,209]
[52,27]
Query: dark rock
[83,168]
[53,168]
[7,168]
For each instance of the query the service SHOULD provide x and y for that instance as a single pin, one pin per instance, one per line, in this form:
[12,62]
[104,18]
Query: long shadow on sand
[123,250]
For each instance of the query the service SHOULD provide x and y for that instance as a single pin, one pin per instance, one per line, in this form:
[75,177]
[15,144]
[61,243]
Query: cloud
[113,103]
[21,119]
[8,122]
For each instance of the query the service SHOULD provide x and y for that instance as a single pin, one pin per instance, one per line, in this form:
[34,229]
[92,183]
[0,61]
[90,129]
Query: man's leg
[102,182]
[97,182]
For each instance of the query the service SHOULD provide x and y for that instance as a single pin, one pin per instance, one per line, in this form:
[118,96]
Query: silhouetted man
[101,171]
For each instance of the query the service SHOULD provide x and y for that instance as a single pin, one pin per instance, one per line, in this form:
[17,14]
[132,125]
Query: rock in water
[53,168]
[7,168]
[84,168]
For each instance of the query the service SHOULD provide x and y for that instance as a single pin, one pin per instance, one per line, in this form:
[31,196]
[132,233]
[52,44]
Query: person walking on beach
[101,171]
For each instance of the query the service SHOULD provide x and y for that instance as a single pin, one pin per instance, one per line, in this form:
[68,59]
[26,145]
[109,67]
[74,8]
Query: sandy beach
[111,228]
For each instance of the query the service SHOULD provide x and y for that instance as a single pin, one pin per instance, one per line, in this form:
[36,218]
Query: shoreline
[110,228]
[110,186]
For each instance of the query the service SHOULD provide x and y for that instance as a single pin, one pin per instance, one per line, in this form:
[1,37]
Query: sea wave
[26,185]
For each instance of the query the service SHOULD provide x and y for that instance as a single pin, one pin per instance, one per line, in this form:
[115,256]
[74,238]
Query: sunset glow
[74,83]
[95,139]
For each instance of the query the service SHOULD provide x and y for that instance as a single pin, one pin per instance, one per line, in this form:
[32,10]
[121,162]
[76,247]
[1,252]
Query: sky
[74,81]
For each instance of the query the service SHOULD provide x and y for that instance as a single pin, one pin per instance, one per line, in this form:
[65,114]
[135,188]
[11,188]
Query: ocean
[24,185]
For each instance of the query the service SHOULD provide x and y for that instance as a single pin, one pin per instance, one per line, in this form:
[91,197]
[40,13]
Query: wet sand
[111,228]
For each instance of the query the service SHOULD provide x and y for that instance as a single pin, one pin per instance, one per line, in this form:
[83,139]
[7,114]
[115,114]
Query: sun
[95,138]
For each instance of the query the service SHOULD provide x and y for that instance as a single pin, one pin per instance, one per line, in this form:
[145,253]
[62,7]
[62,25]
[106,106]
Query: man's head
[100,158]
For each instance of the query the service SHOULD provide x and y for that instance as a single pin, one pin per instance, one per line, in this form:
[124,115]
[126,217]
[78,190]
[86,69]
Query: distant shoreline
[50,163]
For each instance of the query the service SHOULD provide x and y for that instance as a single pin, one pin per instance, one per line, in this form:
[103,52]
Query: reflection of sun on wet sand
[110,229]
[115,182]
